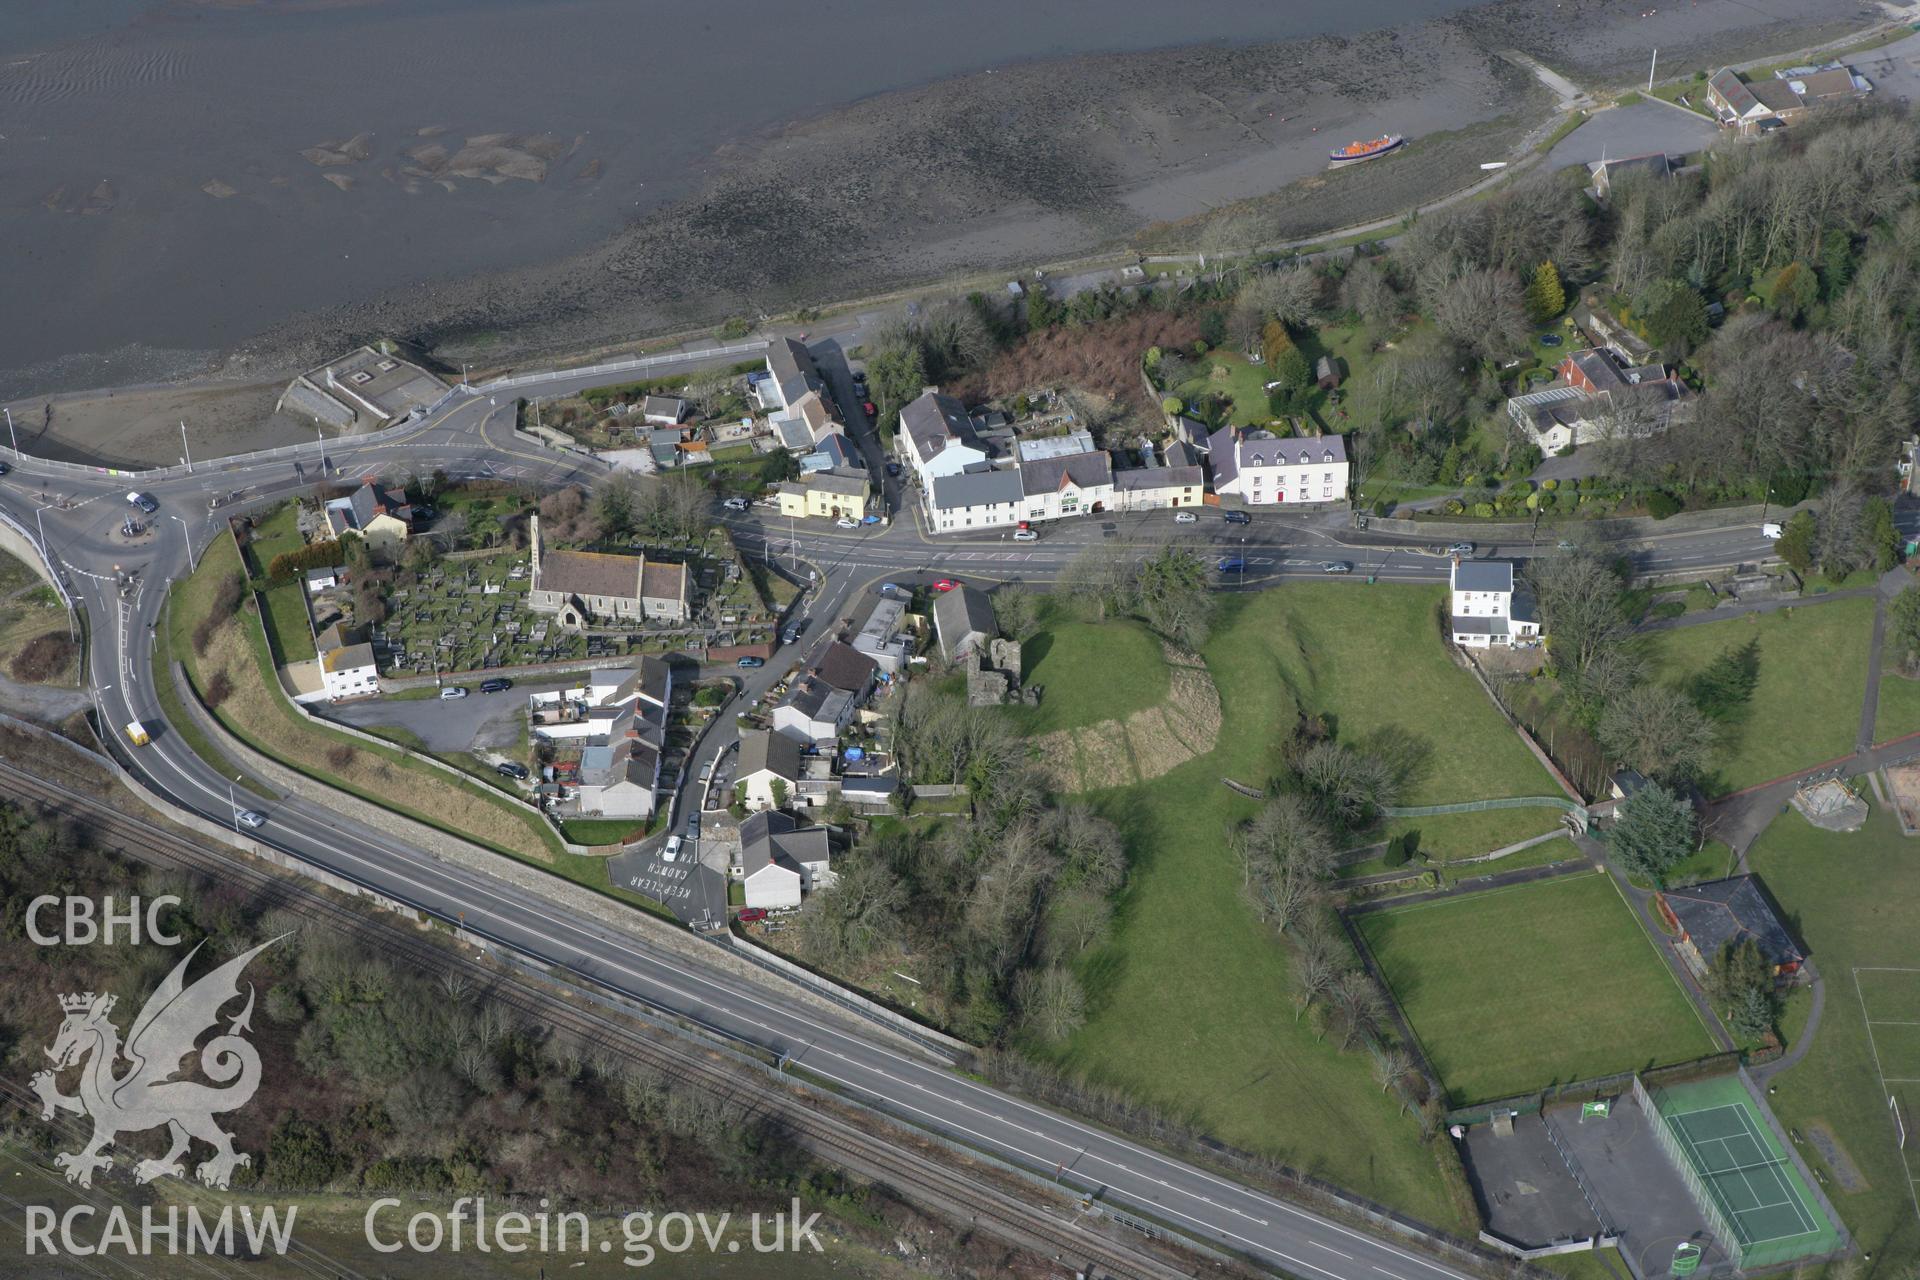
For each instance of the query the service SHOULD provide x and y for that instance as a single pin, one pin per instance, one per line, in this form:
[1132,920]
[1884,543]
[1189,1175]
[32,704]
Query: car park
[252,819]
[143,502]
[1185,517]
[509,769]
[496,684]
[1026,535]
[1337,566]
[750,662]
[1238,517]
[453,692]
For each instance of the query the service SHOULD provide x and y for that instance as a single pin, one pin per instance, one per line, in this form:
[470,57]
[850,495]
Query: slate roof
[793,369]
[960,612]
[772,837]
[662,580]
[1464,625]
[932,421]
[846,668]
[1731,911]
[1483,575]
[350,658]
[370,500]
[672,408]
[1083,470]
[977,489]
[834,480]
[591,573]
[761,749]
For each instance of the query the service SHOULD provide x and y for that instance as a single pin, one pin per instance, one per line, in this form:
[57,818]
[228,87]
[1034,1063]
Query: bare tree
[1482,312]
[707,390]
[1316,969]
[1051,1003]
[1286,856]
[1368,292]
[1359,1006]
[1016,610]
[1290,295]
[1659,733]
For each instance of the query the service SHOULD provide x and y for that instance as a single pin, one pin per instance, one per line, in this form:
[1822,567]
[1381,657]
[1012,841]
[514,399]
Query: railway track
[862,1142]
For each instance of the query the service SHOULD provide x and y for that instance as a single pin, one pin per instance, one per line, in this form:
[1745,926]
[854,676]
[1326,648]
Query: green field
[1446,836]
[1089,672]
[1853,899]
[1188,1005]
[1241,381]
[1898,713]
[1531,985]
[1813,678]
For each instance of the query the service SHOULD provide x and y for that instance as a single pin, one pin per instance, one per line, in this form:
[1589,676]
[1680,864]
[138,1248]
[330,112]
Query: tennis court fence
[1807,1179]
[1730,1240]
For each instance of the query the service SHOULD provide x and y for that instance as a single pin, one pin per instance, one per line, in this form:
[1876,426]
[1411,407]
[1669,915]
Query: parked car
[752,915]
[866,407]
[1185,517]
[750,663]
[1337,566]
[508,769]
[452,691]
[1460,549]
[1233,564]
[1772,531]
[143,502]
[1238,517]
[1565,545]
[869,519]
[672,852]
[945,585]
[845,523]
[735,504]
[1026,535]
[790,635]
[251,819]
[860,376]
[893,468]
[496,684]
[4,468]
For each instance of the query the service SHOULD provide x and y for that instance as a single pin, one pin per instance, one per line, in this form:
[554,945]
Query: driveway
[695,894]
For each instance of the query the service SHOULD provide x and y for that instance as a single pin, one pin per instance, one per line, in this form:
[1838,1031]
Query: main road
[121,584]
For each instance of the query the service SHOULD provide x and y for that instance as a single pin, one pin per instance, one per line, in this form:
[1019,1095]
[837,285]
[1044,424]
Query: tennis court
[1741,1173]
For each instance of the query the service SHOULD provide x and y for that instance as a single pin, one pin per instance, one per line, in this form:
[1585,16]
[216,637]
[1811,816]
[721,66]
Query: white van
[1771,531]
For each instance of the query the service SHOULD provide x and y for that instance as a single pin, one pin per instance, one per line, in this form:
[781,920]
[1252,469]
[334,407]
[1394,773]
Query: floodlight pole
[185,451]
[1650,66]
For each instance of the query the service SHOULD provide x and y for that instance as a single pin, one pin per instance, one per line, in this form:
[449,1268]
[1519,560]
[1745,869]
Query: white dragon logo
[148,1095]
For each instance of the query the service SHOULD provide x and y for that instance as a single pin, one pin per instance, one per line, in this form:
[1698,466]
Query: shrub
[219,689]
[1455,507]
[1171,406]
[1661,504]
[315,555]
[1483,509]
[1383,507]
[1549,485]
[340,755]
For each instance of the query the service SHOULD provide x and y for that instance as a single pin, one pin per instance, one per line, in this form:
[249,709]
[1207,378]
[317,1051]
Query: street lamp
[233,805]
[186,453]
[12,434]
[188,534]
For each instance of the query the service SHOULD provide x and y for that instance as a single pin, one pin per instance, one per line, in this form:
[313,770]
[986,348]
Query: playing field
[1890,1003]
[1738,1169]
[1513,989]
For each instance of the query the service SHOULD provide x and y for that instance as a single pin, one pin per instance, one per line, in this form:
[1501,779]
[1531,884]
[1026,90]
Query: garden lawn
[1813,678]
[1244,382]
[1852,898]
[1188,1004]
[1513,989]
[1089,672]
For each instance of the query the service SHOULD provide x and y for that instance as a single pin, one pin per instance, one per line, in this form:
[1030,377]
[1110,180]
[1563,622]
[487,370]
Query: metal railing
[1579,1174]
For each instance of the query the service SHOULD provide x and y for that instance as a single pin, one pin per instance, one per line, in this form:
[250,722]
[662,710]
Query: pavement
[122,590]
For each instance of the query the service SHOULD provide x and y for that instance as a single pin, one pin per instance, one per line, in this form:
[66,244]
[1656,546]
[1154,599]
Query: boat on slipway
[1355,152]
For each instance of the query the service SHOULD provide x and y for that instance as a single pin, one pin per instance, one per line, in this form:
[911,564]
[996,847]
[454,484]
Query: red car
[749,915]
[945,584]
[867,405]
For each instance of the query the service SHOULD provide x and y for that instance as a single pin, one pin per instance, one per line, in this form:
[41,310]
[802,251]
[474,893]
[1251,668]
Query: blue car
[1233,564]
[749,662]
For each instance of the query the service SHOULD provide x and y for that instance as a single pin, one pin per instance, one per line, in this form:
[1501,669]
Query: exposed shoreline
[1036,163]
